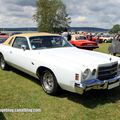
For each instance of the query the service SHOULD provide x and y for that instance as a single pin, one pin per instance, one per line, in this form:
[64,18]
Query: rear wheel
[3,64]
[105,41]
[49,83]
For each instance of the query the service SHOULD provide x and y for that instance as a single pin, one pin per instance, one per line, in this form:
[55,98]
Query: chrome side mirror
[23,47]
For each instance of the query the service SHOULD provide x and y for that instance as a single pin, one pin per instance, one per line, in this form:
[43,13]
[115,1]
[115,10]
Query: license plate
[113,85]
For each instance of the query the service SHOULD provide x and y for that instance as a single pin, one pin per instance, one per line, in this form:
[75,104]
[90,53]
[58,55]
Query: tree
[115,29]
[51,15]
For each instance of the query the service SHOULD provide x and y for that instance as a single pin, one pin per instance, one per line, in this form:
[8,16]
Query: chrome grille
[108,71]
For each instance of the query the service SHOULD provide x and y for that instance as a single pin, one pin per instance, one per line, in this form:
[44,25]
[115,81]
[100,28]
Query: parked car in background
[82,42]
[3,33]
[14,33]
[3,38]
[106,38]
[57,64]
[92,38]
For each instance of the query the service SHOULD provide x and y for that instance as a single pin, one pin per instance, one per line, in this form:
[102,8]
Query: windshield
[80,38]
[44,42]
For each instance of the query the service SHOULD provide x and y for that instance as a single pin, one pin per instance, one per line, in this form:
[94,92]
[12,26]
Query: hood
[79,56]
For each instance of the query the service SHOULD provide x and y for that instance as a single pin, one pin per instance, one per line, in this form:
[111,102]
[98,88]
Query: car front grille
[107,71]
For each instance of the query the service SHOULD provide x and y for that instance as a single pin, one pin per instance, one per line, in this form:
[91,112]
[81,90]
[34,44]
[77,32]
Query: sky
[83,13]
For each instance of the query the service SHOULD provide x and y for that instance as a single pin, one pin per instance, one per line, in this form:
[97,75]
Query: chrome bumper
[96,84]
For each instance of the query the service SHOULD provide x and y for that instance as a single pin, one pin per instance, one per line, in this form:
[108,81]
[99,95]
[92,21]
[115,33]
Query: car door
[20,55]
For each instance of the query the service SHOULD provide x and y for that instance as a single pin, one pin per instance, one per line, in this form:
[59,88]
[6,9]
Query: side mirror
[23,47]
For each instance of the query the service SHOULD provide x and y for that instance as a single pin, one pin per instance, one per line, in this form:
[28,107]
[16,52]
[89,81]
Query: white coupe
[58,64]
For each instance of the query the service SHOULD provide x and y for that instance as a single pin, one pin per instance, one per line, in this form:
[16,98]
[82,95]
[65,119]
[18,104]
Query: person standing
[65,34]
[90,36]
[69,36]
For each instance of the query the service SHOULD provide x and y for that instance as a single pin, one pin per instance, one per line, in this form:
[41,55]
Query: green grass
[18,90]
[103,48]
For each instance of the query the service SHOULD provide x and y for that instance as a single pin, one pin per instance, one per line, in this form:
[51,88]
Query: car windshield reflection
[45,42]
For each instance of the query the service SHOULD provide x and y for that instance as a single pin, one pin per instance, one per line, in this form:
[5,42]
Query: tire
[105,41]
[3,64]
[49,83]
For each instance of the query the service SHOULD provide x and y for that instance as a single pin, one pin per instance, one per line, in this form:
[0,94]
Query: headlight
[86,73]
[118,67]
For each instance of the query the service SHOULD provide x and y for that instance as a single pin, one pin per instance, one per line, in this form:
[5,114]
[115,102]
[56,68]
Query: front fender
[65,75]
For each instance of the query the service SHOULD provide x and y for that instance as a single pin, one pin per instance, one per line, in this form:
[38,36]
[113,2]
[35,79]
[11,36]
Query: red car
[3,38]
[82,42]
[91,38]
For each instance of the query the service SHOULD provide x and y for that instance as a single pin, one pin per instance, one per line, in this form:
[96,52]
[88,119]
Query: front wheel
[3,64]
[49,83]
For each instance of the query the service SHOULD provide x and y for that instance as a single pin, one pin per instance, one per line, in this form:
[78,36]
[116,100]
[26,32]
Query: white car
[58,64]
[106,38]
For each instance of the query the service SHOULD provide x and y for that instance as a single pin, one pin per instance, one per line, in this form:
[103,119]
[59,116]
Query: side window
[19,41]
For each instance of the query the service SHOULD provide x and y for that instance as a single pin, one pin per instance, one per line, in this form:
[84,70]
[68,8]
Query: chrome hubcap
[48,81]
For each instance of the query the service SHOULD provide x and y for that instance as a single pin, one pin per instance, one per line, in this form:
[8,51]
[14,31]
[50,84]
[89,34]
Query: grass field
[18,90]
[103,48]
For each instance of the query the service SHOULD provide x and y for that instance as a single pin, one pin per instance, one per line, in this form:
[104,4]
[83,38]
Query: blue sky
[83,13]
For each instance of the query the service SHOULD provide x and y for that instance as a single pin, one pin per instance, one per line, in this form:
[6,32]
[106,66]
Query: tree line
[51,16]
[115,29]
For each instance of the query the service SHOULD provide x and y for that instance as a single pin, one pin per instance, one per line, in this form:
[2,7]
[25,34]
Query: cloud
[21,2]
[17,13]
[97,13]
[79,19]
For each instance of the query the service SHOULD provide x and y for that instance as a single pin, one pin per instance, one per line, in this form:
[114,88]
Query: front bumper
[97,84]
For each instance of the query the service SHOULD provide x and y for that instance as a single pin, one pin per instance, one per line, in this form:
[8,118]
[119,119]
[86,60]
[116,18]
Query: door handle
[10,52]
